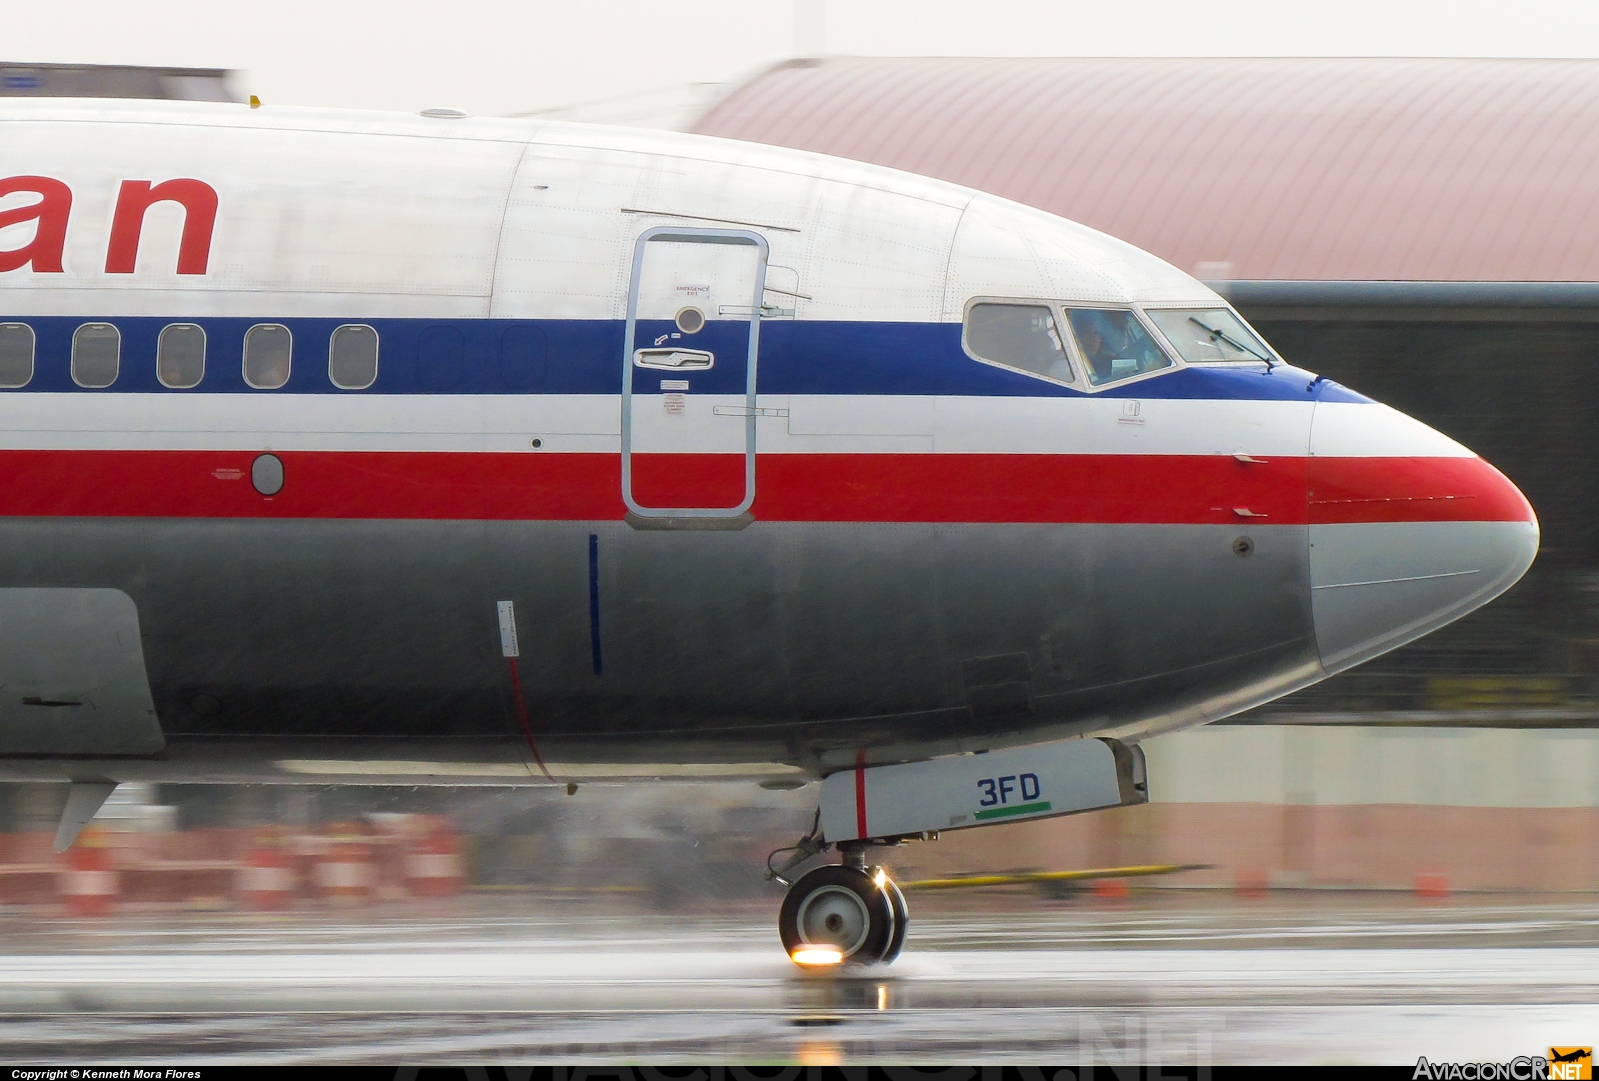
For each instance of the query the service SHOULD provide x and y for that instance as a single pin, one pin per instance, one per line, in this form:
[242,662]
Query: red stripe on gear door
[860,795]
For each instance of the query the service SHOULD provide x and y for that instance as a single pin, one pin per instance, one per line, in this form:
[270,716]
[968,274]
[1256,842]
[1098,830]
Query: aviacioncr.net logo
[1562,1064]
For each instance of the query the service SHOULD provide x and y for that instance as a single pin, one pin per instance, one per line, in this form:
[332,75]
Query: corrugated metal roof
[1298,169]
[117,81]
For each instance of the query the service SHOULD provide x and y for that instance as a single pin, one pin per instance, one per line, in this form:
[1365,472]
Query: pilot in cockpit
[1114,344]
[1024,336]
[1094,338]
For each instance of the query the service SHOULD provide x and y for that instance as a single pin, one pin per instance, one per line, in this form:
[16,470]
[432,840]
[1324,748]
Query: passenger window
[96,355]
[268,349]
[180,356]
[524,357]
[1208,334]
[440,358]
[1018,336]
[1114,344]
[353,357]
[16,355]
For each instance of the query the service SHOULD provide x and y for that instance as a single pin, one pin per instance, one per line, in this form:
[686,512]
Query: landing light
[882,877]
[816,955]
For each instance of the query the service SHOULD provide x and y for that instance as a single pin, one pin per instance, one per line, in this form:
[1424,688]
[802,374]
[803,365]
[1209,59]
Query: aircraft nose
[1409,531]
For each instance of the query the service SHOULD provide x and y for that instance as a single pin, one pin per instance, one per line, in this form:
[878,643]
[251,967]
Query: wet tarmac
[1171,976]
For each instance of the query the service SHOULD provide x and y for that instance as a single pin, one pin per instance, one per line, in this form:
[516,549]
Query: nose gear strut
[807,846]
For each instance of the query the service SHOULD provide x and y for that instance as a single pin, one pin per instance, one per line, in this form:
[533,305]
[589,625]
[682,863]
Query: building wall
[1491,809]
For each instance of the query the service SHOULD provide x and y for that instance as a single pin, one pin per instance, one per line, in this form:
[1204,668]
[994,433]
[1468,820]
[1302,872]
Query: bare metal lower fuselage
[369,651]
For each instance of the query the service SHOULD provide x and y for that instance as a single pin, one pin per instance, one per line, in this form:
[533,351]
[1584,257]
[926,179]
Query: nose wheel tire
[902,919]
[845,909]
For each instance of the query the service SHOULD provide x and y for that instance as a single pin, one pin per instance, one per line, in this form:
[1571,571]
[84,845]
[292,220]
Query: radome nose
[1409,531]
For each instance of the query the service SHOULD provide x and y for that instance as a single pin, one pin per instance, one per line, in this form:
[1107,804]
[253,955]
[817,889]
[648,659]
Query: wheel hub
[834,916]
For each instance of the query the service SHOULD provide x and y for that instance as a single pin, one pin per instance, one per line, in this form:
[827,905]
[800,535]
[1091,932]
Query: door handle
[677,360]
[746,411]
[766,311]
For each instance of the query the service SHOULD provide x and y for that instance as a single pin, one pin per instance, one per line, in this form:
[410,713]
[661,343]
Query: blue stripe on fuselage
[580,356]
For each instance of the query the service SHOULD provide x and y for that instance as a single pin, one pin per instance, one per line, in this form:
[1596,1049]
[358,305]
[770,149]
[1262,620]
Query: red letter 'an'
[50,238]
[199,202]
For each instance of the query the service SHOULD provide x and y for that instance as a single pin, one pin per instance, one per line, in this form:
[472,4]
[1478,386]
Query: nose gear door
[688,373]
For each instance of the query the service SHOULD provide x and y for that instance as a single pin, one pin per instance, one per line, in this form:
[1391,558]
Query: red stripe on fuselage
[1041,488]
[317,484]
[709,480]
[1412,490]
[1098,488]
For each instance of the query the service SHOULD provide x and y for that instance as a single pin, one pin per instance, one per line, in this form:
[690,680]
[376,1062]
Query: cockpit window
[1114,344]
[1018,336]
[1210,335]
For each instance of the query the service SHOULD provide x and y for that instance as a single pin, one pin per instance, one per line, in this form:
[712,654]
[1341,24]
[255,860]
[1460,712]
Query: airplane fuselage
[717,421]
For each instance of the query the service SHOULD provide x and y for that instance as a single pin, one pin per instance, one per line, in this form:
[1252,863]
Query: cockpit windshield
[1209,335]
[1018,336]
[1114,344]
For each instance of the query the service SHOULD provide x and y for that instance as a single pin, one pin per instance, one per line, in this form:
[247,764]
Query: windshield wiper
[1224,336]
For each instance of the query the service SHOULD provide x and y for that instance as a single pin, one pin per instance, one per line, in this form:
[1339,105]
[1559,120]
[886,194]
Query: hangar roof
[1285,169]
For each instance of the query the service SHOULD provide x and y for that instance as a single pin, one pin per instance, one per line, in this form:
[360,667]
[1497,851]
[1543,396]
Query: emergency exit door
[688,378]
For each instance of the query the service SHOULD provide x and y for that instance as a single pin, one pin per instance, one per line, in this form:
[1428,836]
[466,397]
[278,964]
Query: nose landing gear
[844,914]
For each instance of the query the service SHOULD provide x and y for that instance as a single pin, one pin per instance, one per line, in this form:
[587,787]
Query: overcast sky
[504,56]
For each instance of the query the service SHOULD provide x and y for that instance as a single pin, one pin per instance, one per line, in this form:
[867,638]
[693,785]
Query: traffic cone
[89,882]
[1110,889]
[433,865]
[1251,882]
[1432,884]
[344,873]
[267,880]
